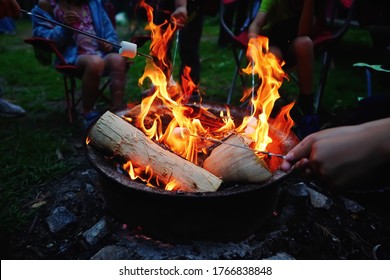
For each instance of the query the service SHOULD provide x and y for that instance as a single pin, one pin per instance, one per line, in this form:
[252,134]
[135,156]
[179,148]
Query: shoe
[195,97]
[381,252]
[308,125]
[90,118]
[10,110]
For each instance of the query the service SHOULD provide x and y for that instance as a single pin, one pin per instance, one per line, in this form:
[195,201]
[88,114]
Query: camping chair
[335,15]
[44,49]
[336,18]
[239,42]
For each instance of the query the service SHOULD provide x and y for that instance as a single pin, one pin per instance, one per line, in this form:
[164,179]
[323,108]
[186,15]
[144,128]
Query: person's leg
[189,46]
[303,50]
[93,67]
[304,54]
[162,14]
[116,67]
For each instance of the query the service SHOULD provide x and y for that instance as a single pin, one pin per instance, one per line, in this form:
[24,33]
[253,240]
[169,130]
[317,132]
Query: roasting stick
[126,47]
[175,50]
[239,146]
[253,87]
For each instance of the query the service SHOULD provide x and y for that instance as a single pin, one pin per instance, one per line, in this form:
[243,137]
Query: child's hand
[106,47]
[71,18]
[180,17]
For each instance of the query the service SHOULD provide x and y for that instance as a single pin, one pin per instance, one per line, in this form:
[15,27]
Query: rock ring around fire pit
[229,214]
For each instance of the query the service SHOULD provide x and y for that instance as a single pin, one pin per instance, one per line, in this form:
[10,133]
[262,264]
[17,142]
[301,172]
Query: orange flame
[269,70]
[168,95]
[187,84]
[180,134]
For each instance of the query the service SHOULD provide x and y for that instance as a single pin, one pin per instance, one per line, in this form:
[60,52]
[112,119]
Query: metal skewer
[175,50]
[253,87]
[80,31]
[239,146]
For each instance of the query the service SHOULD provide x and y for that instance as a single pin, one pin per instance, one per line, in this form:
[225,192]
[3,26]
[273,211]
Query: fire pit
[232,213]
[192,190]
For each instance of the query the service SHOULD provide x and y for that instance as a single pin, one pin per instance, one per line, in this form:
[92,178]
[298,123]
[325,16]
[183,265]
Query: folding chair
[336,18]
[239,42]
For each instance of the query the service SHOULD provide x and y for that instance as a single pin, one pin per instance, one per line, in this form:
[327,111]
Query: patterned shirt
[85,44]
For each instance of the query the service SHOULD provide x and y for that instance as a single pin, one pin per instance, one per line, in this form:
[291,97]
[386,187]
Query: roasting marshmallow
[251,127]
[128,49]
[181,132]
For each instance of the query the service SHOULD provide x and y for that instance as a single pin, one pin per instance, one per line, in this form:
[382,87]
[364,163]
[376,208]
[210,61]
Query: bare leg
[277,52]
[303,50]
[93,67]
[116,67]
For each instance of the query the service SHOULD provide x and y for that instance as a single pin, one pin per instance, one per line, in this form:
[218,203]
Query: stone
[97,232]
[60,218]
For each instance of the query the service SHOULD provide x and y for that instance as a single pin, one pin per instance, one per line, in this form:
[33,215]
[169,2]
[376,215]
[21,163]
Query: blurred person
[9,8]
[94,57]
[289,25]
[190,32]
[189,16]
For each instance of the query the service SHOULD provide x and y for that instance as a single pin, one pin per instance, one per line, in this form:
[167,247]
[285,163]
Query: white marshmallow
[128,49]
[251,127]
[181,132]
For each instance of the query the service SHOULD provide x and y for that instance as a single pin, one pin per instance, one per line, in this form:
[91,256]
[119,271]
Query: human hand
[179,16]
[343,155]
[9,8]
[71,18]
[106,47]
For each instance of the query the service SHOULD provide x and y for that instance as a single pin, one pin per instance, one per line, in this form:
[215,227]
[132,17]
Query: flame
[187,84]
[168,95]
[267,67]
[181,133]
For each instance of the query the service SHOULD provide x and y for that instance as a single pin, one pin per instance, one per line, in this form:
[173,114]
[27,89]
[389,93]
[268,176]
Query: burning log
[233,164]
[158,110]
[208,119]
[114,135]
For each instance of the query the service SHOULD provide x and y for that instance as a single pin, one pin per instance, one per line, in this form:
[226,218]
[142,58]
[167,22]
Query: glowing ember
[186,122]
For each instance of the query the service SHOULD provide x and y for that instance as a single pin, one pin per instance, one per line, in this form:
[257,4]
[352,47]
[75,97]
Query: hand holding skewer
[179,16]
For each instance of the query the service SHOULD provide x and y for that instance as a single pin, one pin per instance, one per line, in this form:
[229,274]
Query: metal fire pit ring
[229,214]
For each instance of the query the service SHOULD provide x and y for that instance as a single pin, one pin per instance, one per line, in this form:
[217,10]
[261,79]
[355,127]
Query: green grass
[29,145]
